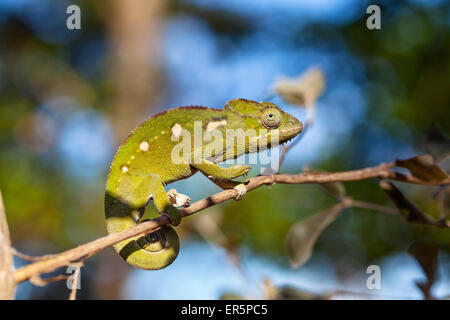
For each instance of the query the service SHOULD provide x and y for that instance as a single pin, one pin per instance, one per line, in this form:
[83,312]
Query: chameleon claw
[241,191]
[178,199]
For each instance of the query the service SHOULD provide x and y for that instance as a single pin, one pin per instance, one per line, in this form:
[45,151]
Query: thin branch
[6,258]
[41,282]
[374,207]
[73,255]
[76,275]
[28,257]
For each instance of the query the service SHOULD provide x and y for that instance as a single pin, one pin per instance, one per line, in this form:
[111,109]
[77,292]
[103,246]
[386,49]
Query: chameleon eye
[271,118]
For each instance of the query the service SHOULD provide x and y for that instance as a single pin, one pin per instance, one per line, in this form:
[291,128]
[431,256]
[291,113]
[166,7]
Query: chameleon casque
[143,165]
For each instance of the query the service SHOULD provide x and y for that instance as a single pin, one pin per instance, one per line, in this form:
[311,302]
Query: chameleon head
[273,125]
[276,120]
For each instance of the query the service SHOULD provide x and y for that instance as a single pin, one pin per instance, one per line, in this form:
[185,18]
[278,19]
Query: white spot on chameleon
[124,169]
[144,146]
[176,130]
[215,124]
[132,157]
[162,132]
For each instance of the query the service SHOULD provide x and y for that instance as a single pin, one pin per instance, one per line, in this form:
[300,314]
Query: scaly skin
[143,165]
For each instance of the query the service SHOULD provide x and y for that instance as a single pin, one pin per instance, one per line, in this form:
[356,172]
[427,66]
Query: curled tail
[153,251]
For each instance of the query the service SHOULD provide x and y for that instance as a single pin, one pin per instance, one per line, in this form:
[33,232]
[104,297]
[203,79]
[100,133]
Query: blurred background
[68,98]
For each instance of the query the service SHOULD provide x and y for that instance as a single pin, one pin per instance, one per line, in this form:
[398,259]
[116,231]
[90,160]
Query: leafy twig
[73,255]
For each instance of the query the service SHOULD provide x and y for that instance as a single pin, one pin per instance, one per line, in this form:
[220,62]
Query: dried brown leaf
[303,235]
[304,90]
[336,189]
[423,167]
[410,212]
[426,255]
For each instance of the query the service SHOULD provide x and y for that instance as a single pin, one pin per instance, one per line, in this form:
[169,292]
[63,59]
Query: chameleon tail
[153,251]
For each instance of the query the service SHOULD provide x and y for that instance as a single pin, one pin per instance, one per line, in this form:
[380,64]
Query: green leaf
[303,235]
[423,167]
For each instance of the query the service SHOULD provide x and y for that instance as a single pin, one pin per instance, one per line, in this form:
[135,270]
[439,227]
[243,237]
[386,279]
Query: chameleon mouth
[289,134]
[292,132]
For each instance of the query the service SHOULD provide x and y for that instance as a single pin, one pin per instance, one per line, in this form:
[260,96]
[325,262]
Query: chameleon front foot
[178,199]
[241,191]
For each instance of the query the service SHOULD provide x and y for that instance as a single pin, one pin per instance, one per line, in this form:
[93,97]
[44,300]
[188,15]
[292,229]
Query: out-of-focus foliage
[66,96]
[303,235]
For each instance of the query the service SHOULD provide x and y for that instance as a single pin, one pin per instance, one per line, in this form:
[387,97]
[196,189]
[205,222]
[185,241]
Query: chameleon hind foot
[173,214]
[161,199]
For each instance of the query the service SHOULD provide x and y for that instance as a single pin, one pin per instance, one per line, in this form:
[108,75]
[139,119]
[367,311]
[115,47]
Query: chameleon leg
[209,168]
[224,184]
[155,250]
[161,200]
[222,176]
[230,184]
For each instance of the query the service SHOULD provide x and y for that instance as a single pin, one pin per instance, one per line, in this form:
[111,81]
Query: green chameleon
[144,164]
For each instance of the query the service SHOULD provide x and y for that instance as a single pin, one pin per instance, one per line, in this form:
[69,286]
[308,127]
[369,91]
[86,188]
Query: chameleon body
[144,164]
